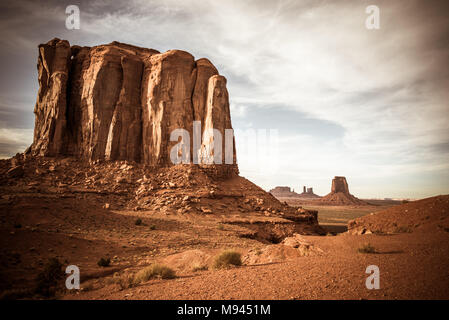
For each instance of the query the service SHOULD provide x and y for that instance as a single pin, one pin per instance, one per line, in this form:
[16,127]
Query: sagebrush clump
[367,248]
[47,280]
[104,262]
[124,281]
[227,258]
[199,267]
[403,229]
[154,271]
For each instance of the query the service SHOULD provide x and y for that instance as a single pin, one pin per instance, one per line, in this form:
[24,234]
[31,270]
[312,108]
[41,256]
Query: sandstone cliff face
[51,118]
[217,118]
[339,184]
[121,102]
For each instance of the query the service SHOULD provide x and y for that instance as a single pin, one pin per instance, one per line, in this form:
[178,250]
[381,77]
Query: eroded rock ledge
[121,102]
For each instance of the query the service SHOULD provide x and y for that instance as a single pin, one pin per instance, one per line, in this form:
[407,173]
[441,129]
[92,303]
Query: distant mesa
[283,192]
[287,192]
[308,193]
[340,195]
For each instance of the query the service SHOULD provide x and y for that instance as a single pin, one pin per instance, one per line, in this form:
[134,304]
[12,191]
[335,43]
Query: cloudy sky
[371,105]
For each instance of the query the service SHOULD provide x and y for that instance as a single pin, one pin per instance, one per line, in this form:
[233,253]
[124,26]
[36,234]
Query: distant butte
[340,195]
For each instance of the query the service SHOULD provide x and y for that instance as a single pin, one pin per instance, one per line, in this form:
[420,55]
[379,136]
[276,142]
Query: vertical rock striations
[50,130]
[121,102]
[217,118]
[339,184]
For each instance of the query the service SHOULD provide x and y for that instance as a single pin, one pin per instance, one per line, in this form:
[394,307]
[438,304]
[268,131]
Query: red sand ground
[42,219]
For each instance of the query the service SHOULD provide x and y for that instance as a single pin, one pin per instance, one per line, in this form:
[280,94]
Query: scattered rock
[206,210]
[15,172]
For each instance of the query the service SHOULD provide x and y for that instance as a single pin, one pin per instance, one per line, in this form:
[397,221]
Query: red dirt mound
[424,215]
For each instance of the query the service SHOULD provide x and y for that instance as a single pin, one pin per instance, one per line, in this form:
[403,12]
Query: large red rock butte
[121,102]
[340,195]
[104,118]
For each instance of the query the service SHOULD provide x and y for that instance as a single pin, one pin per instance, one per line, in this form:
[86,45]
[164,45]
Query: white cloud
[14,140]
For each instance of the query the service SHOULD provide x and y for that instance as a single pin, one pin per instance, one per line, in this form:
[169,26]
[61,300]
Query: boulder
[15,172]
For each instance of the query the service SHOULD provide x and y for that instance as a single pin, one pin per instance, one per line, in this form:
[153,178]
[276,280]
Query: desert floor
[413,265]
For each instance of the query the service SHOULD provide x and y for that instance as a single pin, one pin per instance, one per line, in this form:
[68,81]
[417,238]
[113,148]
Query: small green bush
[138,222]
[154,271]
[227,258]
[220,226]
[367,248]
[104,262]
[152,227]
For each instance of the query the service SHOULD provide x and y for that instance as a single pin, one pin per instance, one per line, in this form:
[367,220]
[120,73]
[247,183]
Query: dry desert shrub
[47,283]
[104,262]
[199,267]
[367,248]
[403,229]
[154,271]
[47,280]
[125,281]
[226,259]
